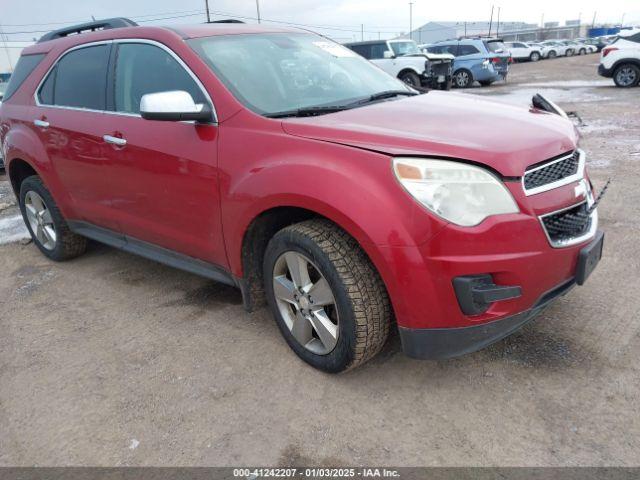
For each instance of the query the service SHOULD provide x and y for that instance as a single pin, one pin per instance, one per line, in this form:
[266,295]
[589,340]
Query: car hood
[444,124]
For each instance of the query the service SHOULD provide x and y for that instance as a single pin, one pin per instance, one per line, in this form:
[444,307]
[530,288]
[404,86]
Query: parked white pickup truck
[405,60]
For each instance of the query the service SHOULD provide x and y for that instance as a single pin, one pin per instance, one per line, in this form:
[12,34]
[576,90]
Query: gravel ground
[115,360]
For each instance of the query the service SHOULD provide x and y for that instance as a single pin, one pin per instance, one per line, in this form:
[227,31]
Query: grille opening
[568,224]
[557,170]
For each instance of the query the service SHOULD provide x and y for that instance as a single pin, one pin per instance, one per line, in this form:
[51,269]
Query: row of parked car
[457,62]
[462,62]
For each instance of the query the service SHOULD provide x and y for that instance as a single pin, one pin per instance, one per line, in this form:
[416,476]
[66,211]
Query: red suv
[282,163]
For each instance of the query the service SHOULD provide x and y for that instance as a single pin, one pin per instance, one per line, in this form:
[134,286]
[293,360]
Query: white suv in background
[520,51]
[620,60]
[405,60]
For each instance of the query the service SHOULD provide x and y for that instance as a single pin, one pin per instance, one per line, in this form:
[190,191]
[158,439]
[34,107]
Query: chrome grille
[570,226]
[554,173]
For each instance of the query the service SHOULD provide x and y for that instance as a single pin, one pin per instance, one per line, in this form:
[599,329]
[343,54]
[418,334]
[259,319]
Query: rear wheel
[534,57]
[328,300]
[626,75]
[583,51]
[463,78]
[410,78]
[45,222]
[569,53]
[552,54]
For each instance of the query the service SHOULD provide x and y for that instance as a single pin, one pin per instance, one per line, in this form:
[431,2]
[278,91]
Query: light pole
[258,9]
[411,20]
[206,4]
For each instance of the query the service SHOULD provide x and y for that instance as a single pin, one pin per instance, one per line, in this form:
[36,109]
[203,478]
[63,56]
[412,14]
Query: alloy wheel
[626,76]
[462,79]
[40,220]
[306,302]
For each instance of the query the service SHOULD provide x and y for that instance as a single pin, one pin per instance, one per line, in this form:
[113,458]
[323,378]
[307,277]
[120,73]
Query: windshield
[280,72]
[405,48]
[495,47]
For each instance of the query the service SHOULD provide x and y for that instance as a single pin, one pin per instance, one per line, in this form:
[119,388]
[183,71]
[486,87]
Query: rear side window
[142,69]
[78,80]
[362,50]
[26,65]
[467,50]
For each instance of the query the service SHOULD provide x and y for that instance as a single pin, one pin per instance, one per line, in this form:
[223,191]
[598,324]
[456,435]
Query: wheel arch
[18,170]
[622,61]
[264,225]
[407,70]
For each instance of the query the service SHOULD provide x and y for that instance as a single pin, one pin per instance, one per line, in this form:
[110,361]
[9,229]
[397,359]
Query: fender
[22,143]
[350,186]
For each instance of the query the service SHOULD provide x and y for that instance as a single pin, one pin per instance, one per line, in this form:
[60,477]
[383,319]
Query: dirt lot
[114,360]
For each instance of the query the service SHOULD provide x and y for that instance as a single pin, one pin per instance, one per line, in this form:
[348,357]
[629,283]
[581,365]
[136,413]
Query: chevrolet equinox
[280,162]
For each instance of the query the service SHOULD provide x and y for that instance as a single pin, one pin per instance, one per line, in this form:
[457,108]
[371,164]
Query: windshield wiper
[386,94]
[308,111]
[321,110]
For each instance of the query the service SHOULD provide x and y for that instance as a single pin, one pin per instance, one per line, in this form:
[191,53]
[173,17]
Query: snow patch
[12,229]
[522,97]
[134,444]
[570,84]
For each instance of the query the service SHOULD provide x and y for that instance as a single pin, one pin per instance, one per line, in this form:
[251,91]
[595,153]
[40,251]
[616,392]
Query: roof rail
[227,20]
[106,24]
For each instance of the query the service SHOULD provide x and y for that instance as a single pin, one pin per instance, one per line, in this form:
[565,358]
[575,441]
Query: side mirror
[173,106]
[388,54]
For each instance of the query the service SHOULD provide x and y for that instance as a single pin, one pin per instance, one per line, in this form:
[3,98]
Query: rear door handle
[41,123]
[121,142]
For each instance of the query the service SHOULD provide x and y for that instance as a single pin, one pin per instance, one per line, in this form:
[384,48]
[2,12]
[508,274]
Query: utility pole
[206,4]
[622,21]
[491,20]
[362,32]
[498,27]
[258,9]
[593,23]
[410,20]
[6,48]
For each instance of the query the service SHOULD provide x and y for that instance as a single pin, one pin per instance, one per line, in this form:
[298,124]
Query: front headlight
[460,193]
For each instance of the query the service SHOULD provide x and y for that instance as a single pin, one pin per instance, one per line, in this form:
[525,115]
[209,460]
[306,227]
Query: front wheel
[552,54]
[45,222]
[328,300]
[410,78]
[583,51]
[463,78]
[627,75]
[534,57]
[569,53]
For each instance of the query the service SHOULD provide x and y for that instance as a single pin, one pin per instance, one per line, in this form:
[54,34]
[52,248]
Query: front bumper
[443,343]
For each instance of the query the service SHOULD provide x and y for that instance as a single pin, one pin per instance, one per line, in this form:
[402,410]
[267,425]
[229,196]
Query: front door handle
[41,123]
[121,142]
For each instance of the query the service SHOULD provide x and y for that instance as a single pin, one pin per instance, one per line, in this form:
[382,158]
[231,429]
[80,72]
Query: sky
[23,20]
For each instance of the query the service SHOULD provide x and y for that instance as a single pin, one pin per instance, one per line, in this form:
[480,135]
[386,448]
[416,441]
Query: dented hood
[444,124]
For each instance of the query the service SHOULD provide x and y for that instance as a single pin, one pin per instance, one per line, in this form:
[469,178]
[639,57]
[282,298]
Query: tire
[552,54]
[583,51]
[360,313]
[52,234]
[626,75]
[410,78]
[486,83]
[534,57]
[462,78]
[569,53]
